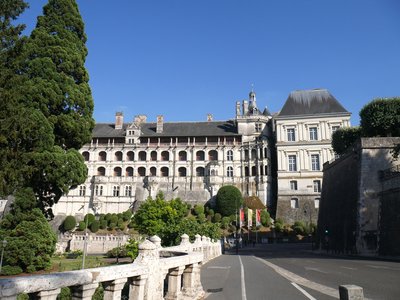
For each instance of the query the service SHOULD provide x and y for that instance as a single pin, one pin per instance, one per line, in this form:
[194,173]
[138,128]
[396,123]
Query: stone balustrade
[146,276]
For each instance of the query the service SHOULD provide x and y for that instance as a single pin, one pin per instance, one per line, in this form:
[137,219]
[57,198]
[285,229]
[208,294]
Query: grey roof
[213,128]
[311,102]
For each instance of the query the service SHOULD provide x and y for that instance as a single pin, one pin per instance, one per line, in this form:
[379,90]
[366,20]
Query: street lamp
[2,253]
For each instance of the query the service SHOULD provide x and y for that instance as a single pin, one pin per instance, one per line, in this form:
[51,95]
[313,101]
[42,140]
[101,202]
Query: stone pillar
[113,289]
[136,287]
[156,241]
[192,288]
[185,244]
[174,283]
[351,292]
[48,295]
[84,292]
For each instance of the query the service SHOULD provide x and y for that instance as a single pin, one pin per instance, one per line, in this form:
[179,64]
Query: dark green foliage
[122,226]
[11,270]
[69,223]
[117,252]
[299,228]
[225,222]
[88,219]
[132,248]
[103,224]
[31,241]
[131,224]
[201,217]
[265,218]
[210,212]
[65,294]
[73,254]
[95,226]
[112,226]
[381,117]
[344,138]
[217,218]
[168,220]
[228,200]
[127,215]
[198,209]
[81,226]
[99,293]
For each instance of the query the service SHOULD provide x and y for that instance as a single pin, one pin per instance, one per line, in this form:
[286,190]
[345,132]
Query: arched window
[128,191]
[142,171]
[129,172]
[118,156]
[164,172]
[131,156]
[253,154]
[86,155]
[182,156]
[246,154]
[182,172]
[294,203]
[153,156]
[200,155]
[165,156]
[246,171]
[142,155]
[153,171]
[253,171]
[229,172]
[102,156]
[213,155]
[229,155]
[200,171]
[101,171]
[117,171]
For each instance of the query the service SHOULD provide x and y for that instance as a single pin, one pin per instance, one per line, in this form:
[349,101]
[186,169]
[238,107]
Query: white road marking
[316,270]
[218,267]
[303,291]
[382,267]
[348,268]
[243,285]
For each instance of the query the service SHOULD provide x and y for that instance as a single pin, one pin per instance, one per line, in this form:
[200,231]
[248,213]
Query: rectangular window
[294,203]
[293,185]
[291,136]
[315,162]
[116,191]
[317,186]
[292,163]
[82,190]
[334,128]
[313,133]
[258,127]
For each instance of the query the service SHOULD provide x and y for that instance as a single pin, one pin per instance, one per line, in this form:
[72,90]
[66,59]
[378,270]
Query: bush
[265,218]
[198,209]
[122,226]
[117,252]
[228,200]
[299,228]
[112,226]
[201,217]
[210,212]
[69,223]
[225,222]
[11,270]
[217,218]
[278,227]
[81,226]
[127,215]
[103,224]
[95,226]
[131,224]
[65,294]
[89,218]
[113,219]
[73,254]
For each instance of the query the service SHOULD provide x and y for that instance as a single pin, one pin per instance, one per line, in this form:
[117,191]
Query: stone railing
[178,267]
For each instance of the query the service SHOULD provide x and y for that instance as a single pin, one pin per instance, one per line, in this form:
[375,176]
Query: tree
[381,117]
[228,200]
[344,138]
[58,81]
[31,241]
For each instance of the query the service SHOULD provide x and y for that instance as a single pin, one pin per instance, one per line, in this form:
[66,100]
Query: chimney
[119,120]
[139,119]
[237,108]
[209,117]
[245,107]
[160,124]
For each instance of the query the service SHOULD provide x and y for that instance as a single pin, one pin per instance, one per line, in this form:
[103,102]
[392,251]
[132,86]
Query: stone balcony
[177,268]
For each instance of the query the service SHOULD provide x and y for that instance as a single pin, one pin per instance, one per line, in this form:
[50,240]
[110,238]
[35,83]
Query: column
[136,287]
[113,289]
[174,283]
[84,292]
[48,295]
[191,281]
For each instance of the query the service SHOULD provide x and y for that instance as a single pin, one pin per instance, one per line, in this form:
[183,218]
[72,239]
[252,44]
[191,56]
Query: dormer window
[258,127]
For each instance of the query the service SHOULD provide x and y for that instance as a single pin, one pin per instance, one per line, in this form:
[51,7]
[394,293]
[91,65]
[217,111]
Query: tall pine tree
[58,84]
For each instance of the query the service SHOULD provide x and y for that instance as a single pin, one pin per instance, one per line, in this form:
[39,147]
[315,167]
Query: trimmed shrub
[127,215]
[89,218]
[217,217]
[112,226]
[228,200]
[95,226]
[69,223]
[103,224]
[82,225]
[11,270]
[122,226]
[198,209]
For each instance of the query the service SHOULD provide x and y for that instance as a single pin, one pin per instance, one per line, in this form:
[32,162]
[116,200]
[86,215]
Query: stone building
[130,161]
[304,129]
[360,202]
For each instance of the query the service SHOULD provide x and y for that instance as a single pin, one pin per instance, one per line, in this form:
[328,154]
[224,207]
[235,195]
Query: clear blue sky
[187,58]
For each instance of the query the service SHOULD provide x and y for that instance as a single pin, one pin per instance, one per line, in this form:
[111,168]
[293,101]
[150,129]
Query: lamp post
[2,253]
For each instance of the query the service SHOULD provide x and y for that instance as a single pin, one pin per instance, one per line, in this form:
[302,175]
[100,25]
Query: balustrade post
[174,283]
[192,287]
[113,289]
[136,287]
[84,292]
[48,295]
[156,241]
[185,244]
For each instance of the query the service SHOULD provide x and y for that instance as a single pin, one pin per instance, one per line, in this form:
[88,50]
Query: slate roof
[173,129]
[311,102]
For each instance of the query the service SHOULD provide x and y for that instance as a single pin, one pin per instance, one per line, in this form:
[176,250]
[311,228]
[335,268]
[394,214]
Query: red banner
[258,217]
[241,217]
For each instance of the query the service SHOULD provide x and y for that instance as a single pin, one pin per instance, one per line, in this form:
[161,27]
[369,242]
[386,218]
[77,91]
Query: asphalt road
[292,271]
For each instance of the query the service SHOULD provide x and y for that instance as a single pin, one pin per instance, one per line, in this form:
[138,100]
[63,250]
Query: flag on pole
[258,217]
[249,218]
[241,217]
